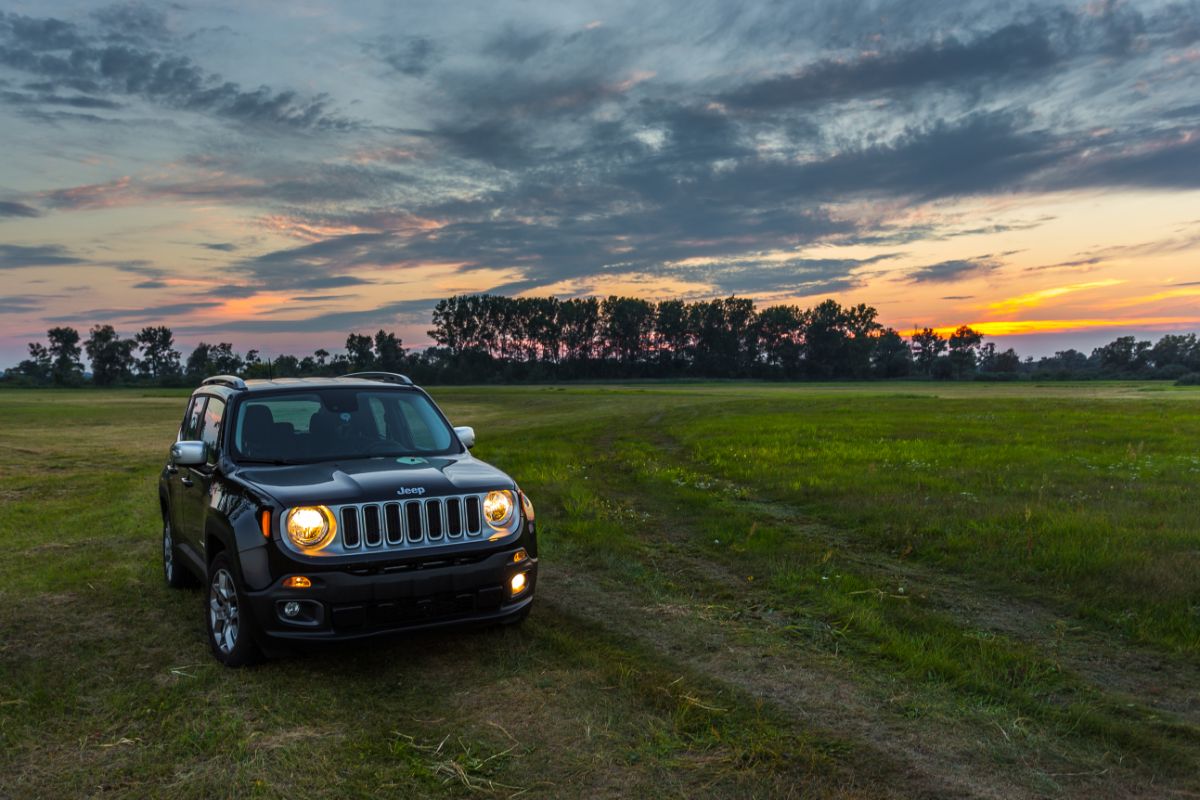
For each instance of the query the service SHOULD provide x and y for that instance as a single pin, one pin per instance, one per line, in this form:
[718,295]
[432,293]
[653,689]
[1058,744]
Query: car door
[196,481]
[189,431]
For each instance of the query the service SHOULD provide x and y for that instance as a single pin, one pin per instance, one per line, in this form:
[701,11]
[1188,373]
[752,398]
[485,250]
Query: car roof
[257,385]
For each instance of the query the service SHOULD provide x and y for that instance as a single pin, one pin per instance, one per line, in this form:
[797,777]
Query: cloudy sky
[276,174]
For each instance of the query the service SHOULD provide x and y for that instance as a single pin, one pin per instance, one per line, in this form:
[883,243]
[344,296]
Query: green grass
[748,591]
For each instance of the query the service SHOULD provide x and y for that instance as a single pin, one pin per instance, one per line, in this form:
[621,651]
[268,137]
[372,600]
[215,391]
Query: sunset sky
[278,174]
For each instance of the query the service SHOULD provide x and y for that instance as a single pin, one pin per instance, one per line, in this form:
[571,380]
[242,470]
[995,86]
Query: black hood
[377,479]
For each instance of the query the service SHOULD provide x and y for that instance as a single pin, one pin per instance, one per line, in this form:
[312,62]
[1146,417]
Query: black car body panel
[373,479]
[219,506]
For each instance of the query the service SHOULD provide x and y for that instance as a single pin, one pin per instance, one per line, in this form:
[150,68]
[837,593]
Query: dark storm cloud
[15,256]
[134,315]
[75,101]
[56,52]
[311,262]
[955,270]
[980,153]
[133,21]
[801,276]
[20,304]
[514,44]
[1007,52]
[13,209]
[40,35]
[409,55]
[1157,163]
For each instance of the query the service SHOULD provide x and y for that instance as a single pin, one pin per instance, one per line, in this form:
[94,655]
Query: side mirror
[466,435]
[188,454]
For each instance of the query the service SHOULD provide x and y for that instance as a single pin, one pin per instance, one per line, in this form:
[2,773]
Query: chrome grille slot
[433,518]
[350,534]
[474,515]
[373,530]
[403,524]
[391,515]
[413,521]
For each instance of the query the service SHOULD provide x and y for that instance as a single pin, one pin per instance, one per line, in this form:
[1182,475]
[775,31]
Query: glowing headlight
[498,509]
[311,527]
[527,506]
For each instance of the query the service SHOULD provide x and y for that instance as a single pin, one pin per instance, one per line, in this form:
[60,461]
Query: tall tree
[65,351]
[389,352]
[672,338]
[38,366]
[159,358]
[579,321]
[223,360]
[964,345]
[198,365]
[626,323]
[358,350]
[780,336]
[927,345]
[111,356]
[892,357]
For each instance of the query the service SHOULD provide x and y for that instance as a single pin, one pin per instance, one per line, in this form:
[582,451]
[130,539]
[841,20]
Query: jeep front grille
[411,523]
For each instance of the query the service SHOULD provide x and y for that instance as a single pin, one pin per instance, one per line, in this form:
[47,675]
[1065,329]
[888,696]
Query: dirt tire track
[1161,681]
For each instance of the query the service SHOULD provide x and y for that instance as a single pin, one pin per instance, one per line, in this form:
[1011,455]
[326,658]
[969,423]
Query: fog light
[291,609]
[297,582]
[518,583]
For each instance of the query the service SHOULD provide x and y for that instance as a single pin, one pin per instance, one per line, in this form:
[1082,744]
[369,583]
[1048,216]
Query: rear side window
[190,430]
[210,433]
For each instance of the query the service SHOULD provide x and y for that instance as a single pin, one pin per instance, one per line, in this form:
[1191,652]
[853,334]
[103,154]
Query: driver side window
[210,433]
[189,431]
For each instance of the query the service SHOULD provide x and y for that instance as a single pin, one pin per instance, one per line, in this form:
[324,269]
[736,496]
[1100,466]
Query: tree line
[493,338]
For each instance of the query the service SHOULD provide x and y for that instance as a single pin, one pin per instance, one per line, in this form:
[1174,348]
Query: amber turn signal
[297,582]
[264,521]
[520,556]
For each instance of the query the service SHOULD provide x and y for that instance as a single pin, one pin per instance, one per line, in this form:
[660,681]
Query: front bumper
[345,605]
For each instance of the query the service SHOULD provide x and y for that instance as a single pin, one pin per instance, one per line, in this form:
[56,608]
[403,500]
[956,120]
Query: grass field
[900,590]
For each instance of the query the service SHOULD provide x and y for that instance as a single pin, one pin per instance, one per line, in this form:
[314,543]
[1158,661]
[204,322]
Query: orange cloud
[1019,327]
[1170,294]
[1033,299]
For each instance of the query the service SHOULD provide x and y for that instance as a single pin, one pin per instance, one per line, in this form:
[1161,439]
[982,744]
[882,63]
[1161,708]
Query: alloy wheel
[223,611]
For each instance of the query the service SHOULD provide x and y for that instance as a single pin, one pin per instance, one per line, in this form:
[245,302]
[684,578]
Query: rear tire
[175,573]
[227,616]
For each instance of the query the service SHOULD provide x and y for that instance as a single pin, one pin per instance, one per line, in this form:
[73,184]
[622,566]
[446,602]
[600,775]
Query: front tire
[227,616]
[174,572]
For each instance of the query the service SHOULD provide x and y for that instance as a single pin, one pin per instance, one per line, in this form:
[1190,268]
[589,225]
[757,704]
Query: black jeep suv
[335,508]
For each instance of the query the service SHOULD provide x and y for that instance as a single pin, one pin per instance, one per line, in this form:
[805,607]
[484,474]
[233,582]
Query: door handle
[186,481]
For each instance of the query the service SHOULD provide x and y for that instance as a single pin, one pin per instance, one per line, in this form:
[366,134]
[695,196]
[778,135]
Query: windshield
[333,424]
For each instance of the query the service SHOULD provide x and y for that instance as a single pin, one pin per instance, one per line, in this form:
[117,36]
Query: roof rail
[385,377]
[232,381]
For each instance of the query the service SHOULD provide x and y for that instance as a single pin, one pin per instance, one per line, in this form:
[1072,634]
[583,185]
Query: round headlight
[498,509]
[311,527]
